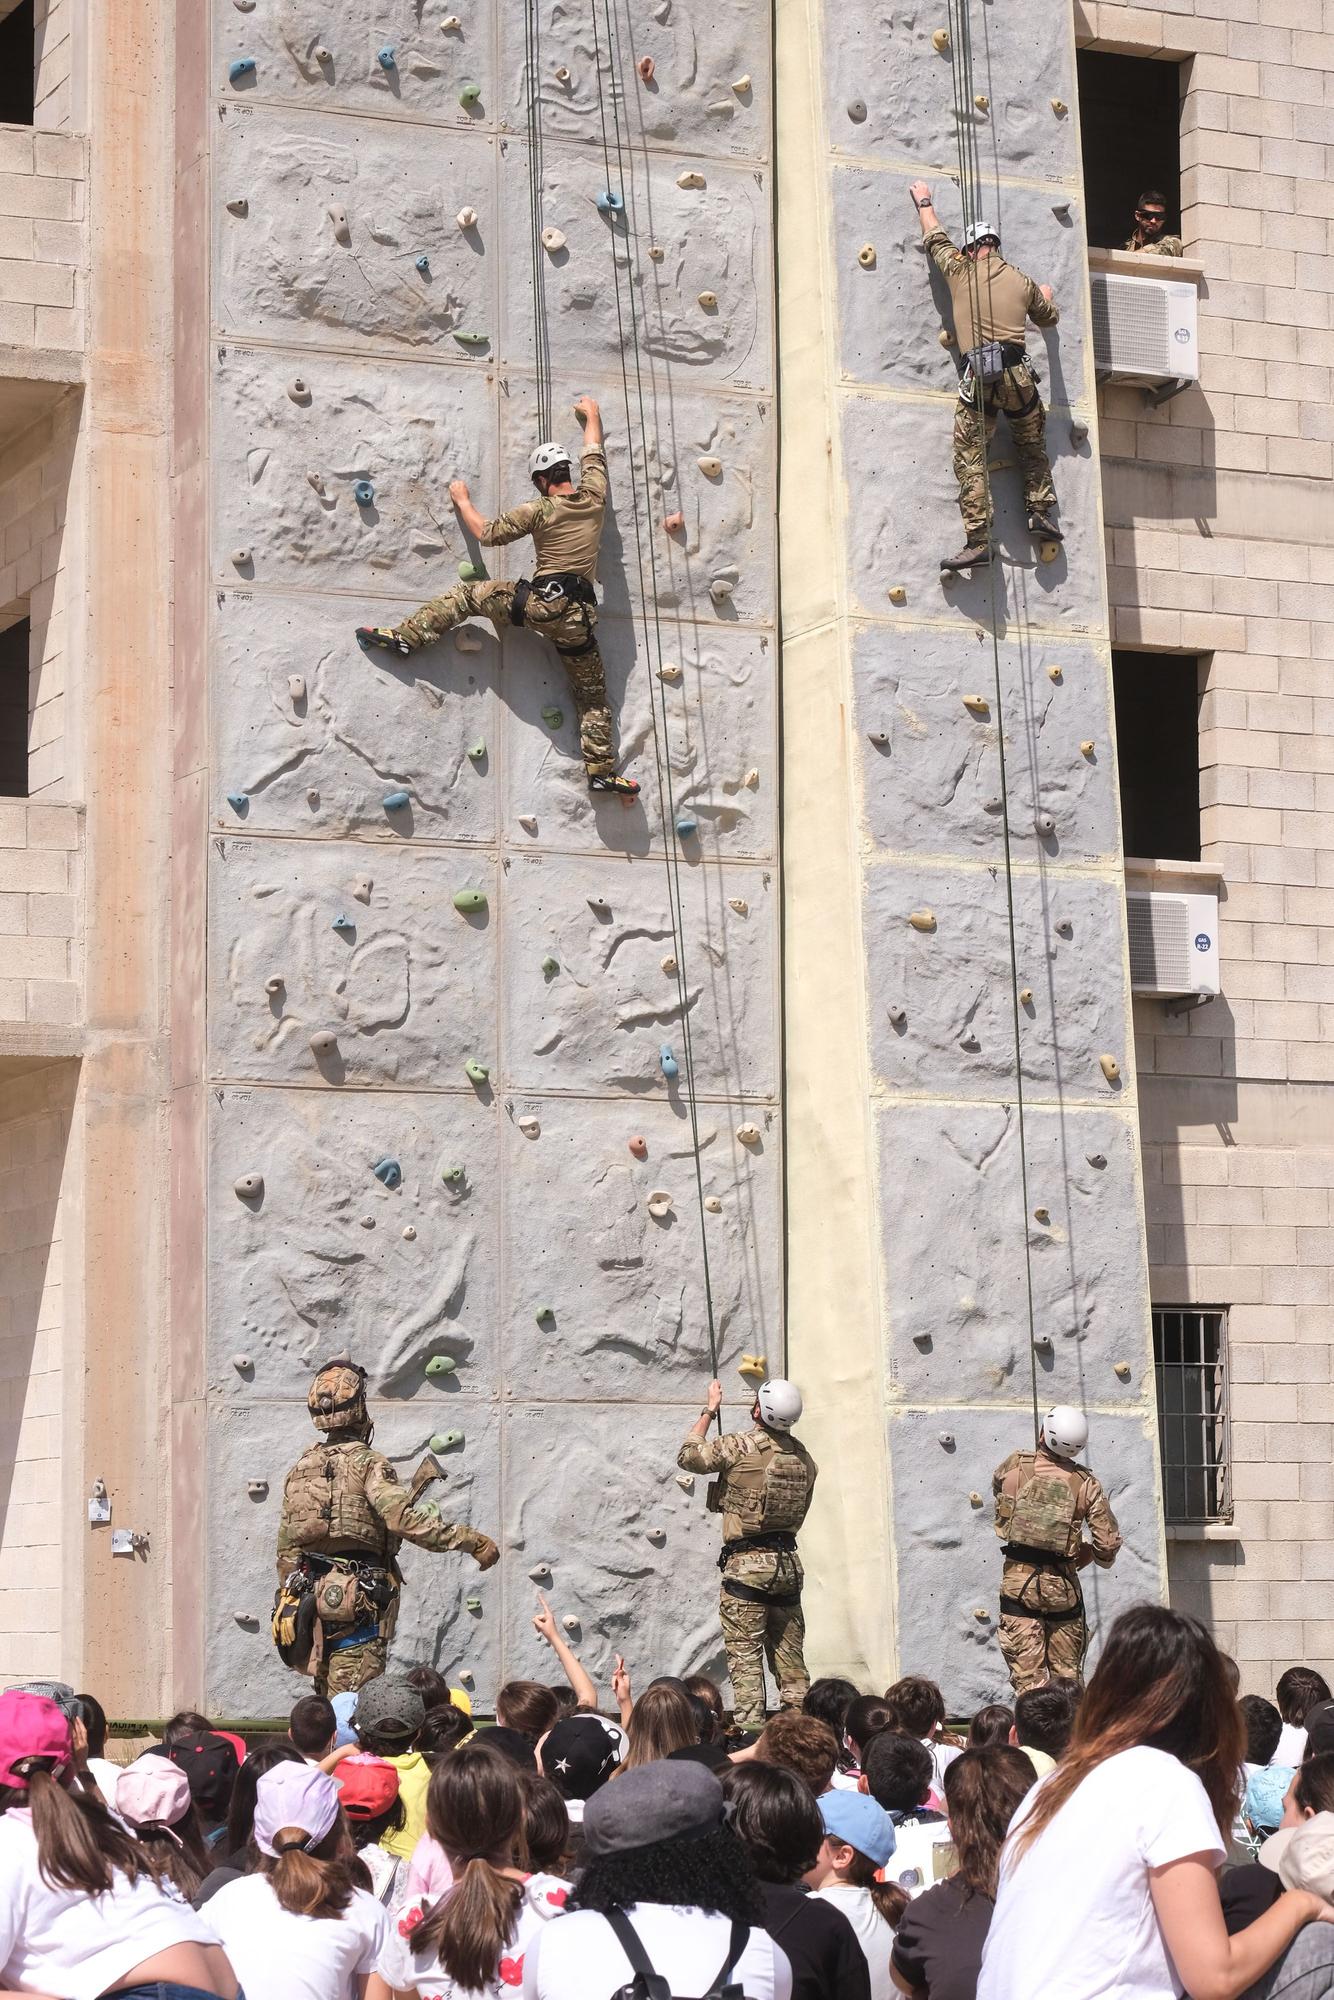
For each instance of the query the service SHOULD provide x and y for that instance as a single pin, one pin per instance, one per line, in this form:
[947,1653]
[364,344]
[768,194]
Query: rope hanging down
[961,69]
[532,50]
[636,420]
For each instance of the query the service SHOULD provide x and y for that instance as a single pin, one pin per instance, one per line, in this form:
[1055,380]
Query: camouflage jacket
[767,1479]
[343,1498]
[566,527]
[1087,1503]
[1166,246]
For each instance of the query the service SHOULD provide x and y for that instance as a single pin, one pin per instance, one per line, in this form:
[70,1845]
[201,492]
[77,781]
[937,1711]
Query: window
[1190,1360]
[14,711]
[1130,129]
[1158,753]
[18,63]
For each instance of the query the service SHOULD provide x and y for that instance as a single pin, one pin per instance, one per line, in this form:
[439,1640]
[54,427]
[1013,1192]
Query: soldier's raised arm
[697,1456]
[421,1521]
[1104,1535]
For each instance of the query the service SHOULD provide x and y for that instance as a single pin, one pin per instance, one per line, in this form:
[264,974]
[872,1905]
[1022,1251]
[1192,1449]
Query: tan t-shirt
[566,527]
[1005,298]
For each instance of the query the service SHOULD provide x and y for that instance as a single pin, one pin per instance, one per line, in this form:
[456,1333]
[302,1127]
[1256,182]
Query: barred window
[1190,1357]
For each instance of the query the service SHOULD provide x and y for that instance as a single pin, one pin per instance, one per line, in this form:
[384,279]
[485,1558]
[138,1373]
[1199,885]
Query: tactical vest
[1047,1510]
[769,1490]
[325,1505]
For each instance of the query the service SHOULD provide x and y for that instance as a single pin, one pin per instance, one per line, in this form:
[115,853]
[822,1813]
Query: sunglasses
[1150,215]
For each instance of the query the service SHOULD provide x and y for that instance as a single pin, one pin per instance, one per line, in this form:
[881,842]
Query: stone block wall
[41,913]
[37,480]
[43,242]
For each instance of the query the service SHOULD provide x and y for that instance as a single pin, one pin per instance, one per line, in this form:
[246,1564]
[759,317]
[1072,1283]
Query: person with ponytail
[1108,1879]
[471,1943]
[85,1910]
[849,1873]
[302,1928]
[153,1798]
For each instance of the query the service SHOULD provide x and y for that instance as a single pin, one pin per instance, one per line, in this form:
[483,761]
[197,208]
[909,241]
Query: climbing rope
[620,183]
[532,50]
[961,66]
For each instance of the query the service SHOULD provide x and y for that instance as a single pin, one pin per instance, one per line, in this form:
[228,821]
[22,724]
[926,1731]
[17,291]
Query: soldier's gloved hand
[484,1552]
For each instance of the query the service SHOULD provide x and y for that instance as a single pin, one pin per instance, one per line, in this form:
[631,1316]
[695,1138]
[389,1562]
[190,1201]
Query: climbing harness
[961,69]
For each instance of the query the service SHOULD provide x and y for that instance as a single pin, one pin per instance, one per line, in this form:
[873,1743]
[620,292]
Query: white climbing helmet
[1065,1431]
[547,457]
[779,1404]
[981,232]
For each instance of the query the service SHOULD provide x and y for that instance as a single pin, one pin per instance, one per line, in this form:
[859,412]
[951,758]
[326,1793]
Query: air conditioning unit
[1173,943]
[1144,330]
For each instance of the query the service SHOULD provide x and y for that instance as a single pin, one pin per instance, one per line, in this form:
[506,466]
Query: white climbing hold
[978,703]
[751,780]
[466,218]
[562,74]
[315,479]
[690,180]
[341,227]
[1059,106]
[866,256]
[982,1615]
[296,687]
[1045,824]
[368,1222]
[974,1499]
[466,1676]
[1055,673]
[741,84]
[1096,1159]
[321,54]
[1078,433]
[669,672]
[249,1187]
[274,983]
[361,888]
[708,300]
[897,594]
[721,589]
[946,1438]
[878,736]
[553,240]
[739,904]
[241,557]
[528,821]
[409,1234]
[898,1015]
[749,1135]
[1122,1368]
[659,1203]
[299,389]
[1025,996]
[712,1203]
[711,467]
[656,1535]
[656,252]
[945,337]
[922,920]
[686,1481]
[982,101]
[450,25]
[1110,1067]
[323,1042]
[598,904]
[240,1362]
[312,798]
[538,1571]
[669,964]
[530,1127]
[570,1622]
[238,205]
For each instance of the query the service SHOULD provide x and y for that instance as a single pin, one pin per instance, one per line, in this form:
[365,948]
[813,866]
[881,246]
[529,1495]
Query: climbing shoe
[623,788]
[381,639]
[976,556]
[1045,527]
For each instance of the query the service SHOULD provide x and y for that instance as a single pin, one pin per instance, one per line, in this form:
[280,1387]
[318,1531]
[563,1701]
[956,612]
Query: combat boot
[623,788]
[382,639]
[1043,526]
[976,556]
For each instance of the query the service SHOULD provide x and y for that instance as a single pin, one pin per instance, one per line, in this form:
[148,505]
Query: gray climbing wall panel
[362,218]
[960,1374]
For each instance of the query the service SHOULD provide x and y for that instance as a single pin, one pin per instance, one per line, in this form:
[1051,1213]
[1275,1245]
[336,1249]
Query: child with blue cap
[858,1841]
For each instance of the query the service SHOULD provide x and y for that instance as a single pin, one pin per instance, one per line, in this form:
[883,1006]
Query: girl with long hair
[153,1798]
[301,1928]
[1108,1880]
[858,1842]
[472,1942]
[774,1815]
[84,1909]
[939,1941]
[662,1720]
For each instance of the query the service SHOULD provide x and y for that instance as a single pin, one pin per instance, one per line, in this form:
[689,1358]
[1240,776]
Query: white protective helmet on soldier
[547,457]
[779,1404]
[981,232]
[1065,1431]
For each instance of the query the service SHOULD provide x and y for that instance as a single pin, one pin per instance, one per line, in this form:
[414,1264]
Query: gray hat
[663,1801]
[389,1706]
[60,1692]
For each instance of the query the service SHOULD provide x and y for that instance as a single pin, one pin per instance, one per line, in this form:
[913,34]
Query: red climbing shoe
[623,788]
[381,639]
[976,556]
[1043,526]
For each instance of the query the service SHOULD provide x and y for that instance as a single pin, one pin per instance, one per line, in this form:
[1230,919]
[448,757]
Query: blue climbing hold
[396,801]
[423,264]
[243,66]
[670,1067]
[238,801]
[609,203]
[342,923]
[686,828]
[387,59]
[388,1171]
[363,492]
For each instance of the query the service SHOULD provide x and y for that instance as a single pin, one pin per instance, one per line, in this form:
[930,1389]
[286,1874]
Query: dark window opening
[1130,129]
[1158,753]
[1190,1363]
[18,65]
[14,711]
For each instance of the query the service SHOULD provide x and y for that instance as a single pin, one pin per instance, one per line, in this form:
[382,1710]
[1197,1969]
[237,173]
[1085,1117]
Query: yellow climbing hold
[1055,673]
[922,920]
[1086,747]
[978,703]
[940,41]
[1110,1067]
[753,1366]
[866,256]
[897,594]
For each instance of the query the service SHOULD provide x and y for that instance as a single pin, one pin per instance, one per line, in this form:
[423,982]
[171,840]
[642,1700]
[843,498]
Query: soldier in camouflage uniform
[764,1495]
[344,1518]
[559,600]
[1150,221]
[992,302]
[1043,1503]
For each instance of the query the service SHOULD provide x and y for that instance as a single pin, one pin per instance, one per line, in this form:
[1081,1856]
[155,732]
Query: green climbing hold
[477,751]
[444,1439]
[551,966]
[477,1072]
[553,717]
[545,1315]
[470,899]
[452,1174]
[473,1603]
[442,1364]
[469,572]
[469,95]
[471,339]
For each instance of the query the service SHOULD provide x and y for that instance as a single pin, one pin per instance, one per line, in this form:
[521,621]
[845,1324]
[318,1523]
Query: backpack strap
[723,1987]
[648,1983]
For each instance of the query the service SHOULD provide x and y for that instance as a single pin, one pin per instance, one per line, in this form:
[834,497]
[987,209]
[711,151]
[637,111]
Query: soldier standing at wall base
[558,601]
[344,1519]
[992,302]
[1044,1500]
[763,1492]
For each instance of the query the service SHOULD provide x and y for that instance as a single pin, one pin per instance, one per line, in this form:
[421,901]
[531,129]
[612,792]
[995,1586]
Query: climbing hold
[856,110]
[897,594]
[674,524]
[477,751]
[240,1362]
[1025,996]
[946,1438]
[395,801]
[1078,433]
[441,1364]
[472,339]
[1061,208]
[342,923]
[363,492]
[982,1615]
[1110,1067]
[389,1172]
[754,1366]
[238,205]
[476,1072]
[1065,927]
[468,571]
[299,389]
[570,1622]
[741,85]
[452,1175]
[1055,673]
[687,828]
[982,101]
[409,1234]
[656,1535]
[709,301]
[1042,1215]
[553,717]
[323,1042]
[472,1603]
[922,920]
[243,66]
[878,736]
[1059,107]
[1086,748]
[550,967]
[968,1040]
[669,964]
[545,1315]
[711,467]
[466,1676]
[562,74]
[690,180]
[1096,1159]
[978,703]
[257,1488]
[361,888]
[598,904]
[528,821]
[866,256]
[238,801]
[321,54]
[445,1441]
[639,1147]
[275,984]
[450,25]
[992,805]
[686,1481]
[1044,823]
[540,1571]
[530,1127]
[466,218]
[721,589]
[1043,1342]
[423,264]
[669,672]
[341,227]
[749,1135]
[656,252]
[940,40]
[469,95]
[645,67]
[609,203]
[974,1499]
[296,687]
[553,240]
[386,58]
[368,1222]
[241,557]
[1048,551]
[1122,1368]
[739,904]
[659,1203]
[249,1187]
[897,1015]
[670,1067]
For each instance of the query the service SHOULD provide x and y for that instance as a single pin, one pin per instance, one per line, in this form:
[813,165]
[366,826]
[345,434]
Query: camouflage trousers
[1015,394]
[564,623]
[755,1630]
[1043,1633]
[344,1669]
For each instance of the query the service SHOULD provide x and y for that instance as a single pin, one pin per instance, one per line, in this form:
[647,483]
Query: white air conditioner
[1173,943]
[1144,330]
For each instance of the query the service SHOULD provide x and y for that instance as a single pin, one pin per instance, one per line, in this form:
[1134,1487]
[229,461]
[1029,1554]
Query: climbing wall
[442,995]
[957,1379]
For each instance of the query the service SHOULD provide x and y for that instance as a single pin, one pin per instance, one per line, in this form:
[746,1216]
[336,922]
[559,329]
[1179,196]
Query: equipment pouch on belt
[713,1498]
[988,361]
[294,1622]
[338,1597]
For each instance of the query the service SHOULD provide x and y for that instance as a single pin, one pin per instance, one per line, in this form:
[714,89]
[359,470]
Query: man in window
[1150,221]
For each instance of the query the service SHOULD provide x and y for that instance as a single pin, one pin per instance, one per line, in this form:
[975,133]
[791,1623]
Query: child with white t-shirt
[858,1842]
